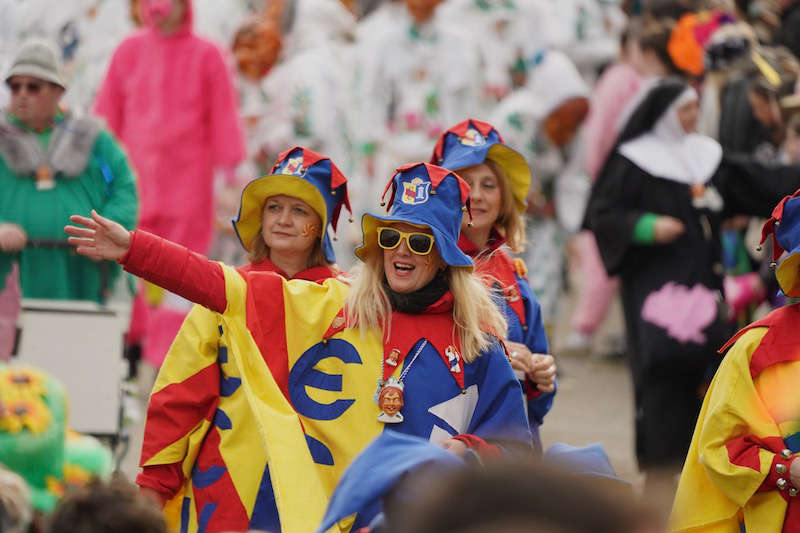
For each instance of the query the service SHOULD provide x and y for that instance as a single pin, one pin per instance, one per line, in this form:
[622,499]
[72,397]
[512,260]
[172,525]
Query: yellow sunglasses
[418,243]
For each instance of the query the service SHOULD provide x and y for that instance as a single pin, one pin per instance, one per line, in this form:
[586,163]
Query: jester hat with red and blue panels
[426,196]
[784,226]
[300,173]
[472,142]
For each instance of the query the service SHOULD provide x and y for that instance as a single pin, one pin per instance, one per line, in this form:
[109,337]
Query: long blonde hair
[477,318]
[509,222]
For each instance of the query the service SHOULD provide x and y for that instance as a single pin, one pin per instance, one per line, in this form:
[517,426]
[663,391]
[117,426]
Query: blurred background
[372,84]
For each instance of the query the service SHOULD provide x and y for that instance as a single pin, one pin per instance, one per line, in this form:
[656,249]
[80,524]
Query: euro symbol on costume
[303,374]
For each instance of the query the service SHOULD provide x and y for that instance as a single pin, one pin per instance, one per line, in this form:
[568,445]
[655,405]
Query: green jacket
[90,171]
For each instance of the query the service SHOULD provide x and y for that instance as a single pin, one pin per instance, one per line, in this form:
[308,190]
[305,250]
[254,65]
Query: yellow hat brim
[255,193]
[788,275]
[516,168]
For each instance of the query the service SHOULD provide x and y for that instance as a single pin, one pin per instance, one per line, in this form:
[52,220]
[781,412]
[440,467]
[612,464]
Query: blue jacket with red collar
[515,298]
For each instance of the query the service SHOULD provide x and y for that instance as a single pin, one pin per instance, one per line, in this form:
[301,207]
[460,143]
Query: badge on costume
[452,359]
[706,198]
[392,358]
[390,401]
[44,178]
[389,394]
[511,292]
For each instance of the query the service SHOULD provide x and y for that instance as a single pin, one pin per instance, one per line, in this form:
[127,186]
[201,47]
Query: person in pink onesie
[169,96]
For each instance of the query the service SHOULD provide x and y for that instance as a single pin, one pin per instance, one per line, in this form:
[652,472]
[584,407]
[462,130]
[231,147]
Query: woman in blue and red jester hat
[499,179]
[316,371]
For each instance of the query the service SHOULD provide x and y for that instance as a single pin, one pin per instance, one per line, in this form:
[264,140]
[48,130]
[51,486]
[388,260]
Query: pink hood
[144,14]
[172,102]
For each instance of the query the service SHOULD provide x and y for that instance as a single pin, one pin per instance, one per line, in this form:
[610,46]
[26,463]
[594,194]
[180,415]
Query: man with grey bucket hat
[53,163]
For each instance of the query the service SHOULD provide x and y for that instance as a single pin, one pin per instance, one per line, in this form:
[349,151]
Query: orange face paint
[309,230]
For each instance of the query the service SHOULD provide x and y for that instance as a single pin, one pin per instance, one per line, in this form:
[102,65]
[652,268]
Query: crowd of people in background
[641,144]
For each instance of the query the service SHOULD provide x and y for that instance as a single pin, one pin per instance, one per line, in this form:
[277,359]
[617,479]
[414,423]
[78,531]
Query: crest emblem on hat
[472,138]
[416,191]
[294,166]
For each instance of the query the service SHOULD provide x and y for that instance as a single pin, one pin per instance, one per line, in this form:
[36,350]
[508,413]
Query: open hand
[539,368]
[99,238]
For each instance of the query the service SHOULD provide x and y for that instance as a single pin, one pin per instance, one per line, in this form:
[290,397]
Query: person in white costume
[507,28]
[416,77]
[310,91]
[588,31]
[542,120]
[86,31]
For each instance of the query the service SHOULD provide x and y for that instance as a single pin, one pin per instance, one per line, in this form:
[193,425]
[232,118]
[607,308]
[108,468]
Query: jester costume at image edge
[736,475]
[296,384]
[470,143]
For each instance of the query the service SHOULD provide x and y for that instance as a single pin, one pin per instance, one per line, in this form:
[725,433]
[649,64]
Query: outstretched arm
[159,261]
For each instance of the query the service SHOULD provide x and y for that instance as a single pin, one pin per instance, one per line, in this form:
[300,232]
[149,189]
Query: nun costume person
[671,291]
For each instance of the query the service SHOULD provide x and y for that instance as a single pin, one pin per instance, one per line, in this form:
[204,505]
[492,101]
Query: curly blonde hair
[477,318]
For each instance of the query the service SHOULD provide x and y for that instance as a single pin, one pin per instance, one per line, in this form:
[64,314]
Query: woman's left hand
[99,238]
[455,446]
[538,367]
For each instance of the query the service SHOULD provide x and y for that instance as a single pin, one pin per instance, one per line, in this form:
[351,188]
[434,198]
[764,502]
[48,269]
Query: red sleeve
[480,446]
[177,269]
[163,480]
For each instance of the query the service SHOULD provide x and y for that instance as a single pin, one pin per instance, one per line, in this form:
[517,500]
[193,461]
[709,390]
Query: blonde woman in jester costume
[311,361]
[741,473]
[283,224]
[499,179]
